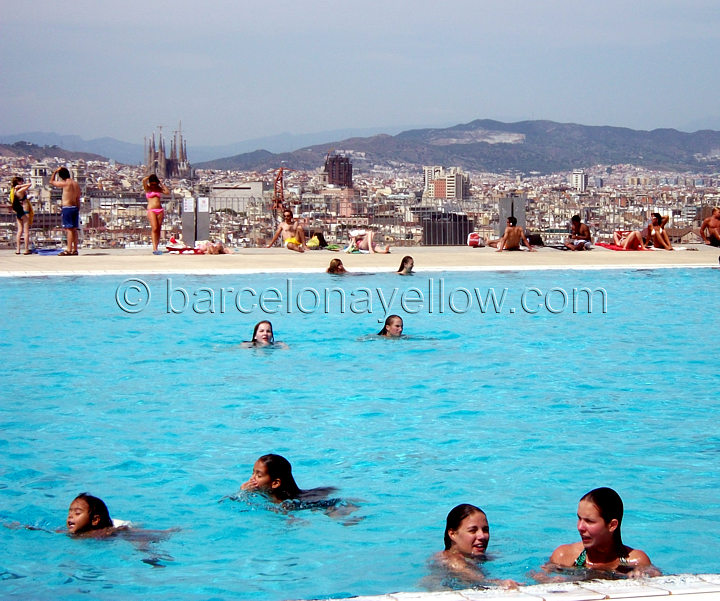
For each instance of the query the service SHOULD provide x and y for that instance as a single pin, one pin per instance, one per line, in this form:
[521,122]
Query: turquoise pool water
[162,415]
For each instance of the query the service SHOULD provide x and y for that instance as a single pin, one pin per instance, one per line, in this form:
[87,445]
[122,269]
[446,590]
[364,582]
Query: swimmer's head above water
[467,531]
[87,513]
[272,475]
[263,333]
[393,327]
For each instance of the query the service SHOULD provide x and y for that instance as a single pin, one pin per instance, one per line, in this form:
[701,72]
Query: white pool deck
[686,587]
[435,258]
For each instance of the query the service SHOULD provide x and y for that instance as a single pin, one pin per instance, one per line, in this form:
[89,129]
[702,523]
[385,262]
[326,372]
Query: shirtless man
[293,236]
[579,238]
[70,207]
[710,228]
[512,237]
[656,232]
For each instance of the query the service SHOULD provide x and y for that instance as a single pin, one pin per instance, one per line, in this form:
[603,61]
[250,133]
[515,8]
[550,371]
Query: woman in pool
[600,514]
[272,476]
[467,535]
[393,327]
[89,516]
[406,265]
[336,266]
[263,337]
[154,191]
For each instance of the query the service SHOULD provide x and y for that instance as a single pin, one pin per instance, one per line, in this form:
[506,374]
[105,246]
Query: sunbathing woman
[154,191]
[600,514]
[630,240]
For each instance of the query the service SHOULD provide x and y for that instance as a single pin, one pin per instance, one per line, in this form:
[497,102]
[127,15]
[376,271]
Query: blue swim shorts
[70,217]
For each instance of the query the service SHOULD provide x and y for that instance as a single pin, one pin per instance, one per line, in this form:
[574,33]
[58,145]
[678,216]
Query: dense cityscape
[407,205]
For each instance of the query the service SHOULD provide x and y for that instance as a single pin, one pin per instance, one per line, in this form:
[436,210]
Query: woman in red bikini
[154,191]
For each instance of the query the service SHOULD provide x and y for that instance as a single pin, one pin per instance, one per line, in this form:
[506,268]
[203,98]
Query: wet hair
[63,173]
[335,264]
[575,219]
[455,518]
[512,221]
[152,183]
[610,507]
[383,332]
[405,260]
[257,325]
[15,181]
[279,468]
[657,216]
[97,508]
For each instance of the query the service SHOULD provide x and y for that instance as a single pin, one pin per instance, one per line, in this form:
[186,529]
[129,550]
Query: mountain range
[481,145]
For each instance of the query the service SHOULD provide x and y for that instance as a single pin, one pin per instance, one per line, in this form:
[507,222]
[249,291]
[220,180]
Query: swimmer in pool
[393,327]
[406,265]
[263,337]
[89,516]
[336,266]
[272,476]
[467,535]
[601,549]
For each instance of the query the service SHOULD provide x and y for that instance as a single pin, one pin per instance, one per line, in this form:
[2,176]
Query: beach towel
[616,247]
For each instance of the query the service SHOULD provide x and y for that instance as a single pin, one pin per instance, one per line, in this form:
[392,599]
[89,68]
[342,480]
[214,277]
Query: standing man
[293,235]
[710,228]
[70,207]
[579,238]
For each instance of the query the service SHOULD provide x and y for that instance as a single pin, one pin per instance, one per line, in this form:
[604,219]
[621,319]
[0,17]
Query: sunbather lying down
[364,241]
[629,240]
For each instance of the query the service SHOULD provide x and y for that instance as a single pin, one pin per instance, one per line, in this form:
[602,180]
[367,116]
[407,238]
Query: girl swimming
[600,514]
[406,265]
[263,336]
[467,535]
[272,476]
[89,516]
[393,327]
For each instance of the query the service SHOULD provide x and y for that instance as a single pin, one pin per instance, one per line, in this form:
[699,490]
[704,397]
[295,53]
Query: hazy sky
[234,70]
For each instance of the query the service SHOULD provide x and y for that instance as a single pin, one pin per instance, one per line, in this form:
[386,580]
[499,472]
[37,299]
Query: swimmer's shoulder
[565,555]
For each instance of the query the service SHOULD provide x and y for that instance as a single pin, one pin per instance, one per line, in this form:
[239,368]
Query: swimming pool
[159,413]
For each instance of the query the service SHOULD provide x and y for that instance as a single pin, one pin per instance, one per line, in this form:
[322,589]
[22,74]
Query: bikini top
[581,561]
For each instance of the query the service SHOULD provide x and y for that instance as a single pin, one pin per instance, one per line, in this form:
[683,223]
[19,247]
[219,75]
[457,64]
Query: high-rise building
[338,170]
[452,184]
[579,180]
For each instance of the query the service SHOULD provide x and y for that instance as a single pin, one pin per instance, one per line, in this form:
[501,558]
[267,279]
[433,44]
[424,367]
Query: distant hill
[486,145]
[21,149]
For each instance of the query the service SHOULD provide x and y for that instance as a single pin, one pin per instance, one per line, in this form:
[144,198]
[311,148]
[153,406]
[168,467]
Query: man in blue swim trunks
[70,207]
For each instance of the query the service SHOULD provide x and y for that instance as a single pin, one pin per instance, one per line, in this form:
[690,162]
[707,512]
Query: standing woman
[599,517]
[23,212]
[154,191]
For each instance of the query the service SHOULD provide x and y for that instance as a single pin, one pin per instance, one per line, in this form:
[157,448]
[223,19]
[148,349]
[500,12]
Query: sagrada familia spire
[157,161]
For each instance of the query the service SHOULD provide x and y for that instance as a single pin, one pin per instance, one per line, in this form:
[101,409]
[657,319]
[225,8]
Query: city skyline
[239,71]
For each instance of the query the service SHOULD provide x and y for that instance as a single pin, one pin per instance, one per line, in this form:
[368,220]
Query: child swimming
[272,476]
[89,516]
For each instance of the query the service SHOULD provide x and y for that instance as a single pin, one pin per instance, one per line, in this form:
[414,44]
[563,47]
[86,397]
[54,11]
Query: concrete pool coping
[682,587]
[704,587]
[278,260]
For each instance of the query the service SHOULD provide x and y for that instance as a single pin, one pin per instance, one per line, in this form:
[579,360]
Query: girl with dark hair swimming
[272,476]
[393,327]
[467,535]
[263,336]
[600,514]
